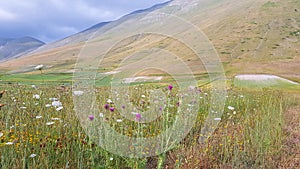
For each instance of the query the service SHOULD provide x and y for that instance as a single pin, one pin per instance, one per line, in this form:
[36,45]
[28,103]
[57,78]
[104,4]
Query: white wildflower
[56,104]
[230,108]
[59,108]
[50,123]
[32,155]
[9,143]
[109,101]
[36,96]
[56,119]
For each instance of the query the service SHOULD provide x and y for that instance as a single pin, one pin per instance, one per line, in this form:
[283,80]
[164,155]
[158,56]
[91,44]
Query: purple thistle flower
[160,108]
[91,117]
[123,107]
[178,104]
[112,109]
[138,116]
[170,87]
[106,106]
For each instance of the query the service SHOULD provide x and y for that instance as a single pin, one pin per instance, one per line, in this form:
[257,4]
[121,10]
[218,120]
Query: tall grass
[250,136]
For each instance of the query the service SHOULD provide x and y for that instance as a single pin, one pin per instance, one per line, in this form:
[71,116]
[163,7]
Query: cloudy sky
[50,20]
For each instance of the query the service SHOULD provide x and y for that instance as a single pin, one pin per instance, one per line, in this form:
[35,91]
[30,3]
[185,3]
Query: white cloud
[6,16]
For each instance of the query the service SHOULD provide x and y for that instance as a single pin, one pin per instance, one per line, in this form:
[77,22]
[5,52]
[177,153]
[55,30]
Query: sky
[51,20]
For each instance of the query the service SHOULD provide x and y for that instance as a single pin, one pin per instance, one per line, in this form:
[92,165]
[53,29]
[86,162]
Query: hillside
[250,36]
[10,47]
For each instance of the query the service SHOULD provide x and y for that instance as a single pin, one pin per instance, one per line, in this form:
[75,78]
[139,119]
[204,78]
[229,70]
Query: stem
[161,161]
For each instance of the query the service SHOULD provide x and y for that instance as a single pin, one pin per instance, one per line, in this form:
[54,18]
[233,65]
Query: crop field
[40,129]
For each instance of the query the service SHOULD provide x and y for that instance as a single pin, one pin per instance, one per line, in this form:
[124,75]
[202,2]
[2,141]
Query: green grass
[269,4]
[276,84]
[38,78]
[250,136]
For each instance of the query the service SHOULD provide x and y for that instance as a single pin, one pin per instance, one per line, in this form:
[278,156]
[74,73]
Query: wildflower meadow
[39,129]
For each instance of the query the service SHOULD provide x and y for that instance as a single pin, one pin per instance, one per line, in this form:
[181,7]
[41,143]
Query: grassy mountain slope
[251,36]
[17,47]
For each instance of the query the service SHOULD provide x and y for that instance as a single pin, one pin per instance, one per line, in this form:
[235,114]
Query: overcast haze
[52,20]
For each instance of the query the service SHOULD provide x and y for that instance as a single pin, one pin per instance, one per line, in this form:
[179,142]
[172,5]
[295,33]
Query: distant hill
[103,26]
[250,36]
[17,47]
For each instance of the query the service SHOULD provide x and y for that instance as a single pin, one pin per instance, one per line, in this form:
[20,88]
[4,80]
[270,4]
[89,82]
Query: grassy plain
[251,134]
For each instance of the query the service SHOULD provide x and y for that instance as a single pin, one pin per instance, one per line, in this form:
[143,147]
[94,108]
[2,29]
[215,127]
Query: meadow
[39,129]
[259,128]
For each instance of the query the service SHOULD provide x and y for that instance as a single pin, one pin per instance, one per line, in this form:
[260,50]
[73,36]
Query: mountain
[87,33]
[17,47]
[250,36]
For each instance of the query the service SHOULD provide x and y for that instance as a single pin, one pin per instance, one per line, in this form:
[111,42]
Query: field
[39,129]
[47,122]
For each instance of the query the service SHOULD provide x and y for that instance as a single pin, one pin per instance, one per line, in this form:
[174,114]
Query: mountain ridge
[87,33]
[16,47]
[250,36]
